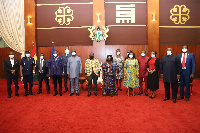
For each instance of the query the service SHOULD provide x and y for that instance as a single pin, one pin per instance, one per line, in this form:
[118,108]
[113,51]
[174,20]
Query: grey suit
[65,58]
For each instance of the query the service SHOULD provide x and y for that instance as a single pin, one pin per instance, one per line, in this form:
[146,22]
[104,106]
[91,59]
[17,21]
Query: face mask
[67,51]
[91,57]
[11,56]
[28,55]
[118,53]
[73,53]
[41,57]
[130,56]
[169,52]
[184,50]
[153,56]
[142,54]
[55,55]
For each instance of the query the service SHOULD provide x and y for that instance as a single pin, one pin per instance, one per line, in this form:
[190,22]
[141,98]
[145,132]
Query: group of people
[133,70]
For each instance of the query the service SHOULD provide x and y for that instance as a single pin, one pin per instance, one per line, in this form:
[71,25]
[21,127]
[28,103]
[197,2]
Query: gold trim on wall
[179,26]
[124,25]
[75,27]
[61,4]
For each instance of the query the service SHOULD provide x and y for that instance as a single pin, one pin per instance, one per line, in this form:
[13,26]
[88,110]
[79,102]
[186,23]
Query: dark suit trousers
[185,81]
[9,82]
[65,81]
[59,79]
[95,78]
[42,77]
[174,87]
[28,79]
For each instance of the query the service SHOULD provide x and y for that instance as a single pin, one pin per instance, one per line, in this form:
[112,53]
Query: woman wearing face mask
[119,61]
[109,76]
[153,64]
[131,71]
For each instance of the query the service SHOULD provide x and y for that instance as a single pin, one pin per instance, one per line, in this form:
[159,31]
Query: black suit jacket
[44,68]
[8,67]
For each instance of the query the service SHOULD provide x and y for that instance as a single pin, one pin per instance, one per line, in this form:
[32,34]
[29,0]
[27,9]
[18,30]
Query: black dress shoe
[174,100]
[9,96]
[65,90]
[139,93]
[146,94]
[95,94]
[38,92]
[54,94]
[77,94]
[71,94]
[89,94]
[186,99]
[180,98]
[165,99]
[60,94]
[17,95]
[31,94]
[26,94]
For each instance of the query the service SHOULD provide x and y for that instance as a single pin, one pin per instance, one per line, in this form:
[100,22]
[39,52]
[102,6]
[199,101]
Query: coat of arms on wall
[64,15]
[98,34]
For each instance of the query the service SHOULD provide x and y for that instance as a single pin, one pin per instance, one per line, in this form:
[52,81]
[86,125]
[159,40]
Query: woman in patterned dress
[119,61]
[109,76]
[131,70]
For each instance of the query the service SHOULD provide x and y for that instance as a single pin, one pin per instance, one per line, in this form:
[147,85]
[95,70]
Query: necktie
[183,62]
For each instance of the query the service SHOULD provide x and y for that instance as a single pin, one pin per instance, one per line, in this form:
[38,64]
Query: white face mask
[11,56]
[169,52]
[41,57]
[130,56]
[55,55]
[118,53]
[73,53]
[28,55]
[142,54]
[67,51]
[184,50]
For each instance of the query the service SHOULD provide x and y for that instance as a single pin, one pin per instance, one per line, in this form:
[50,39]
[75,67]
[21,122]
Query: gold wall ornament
[180,14]
[64,15]
[98,34]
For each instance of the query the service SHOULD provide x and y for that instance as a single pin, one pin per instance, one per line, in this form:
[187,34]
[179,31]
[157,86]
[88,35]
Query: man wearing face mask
[92,69]
[11,66]
[27,65]
[188,70]
[65,57]
[143,73]
[119,61]
[74,69]
[56,66]
[170,70]
[42,71]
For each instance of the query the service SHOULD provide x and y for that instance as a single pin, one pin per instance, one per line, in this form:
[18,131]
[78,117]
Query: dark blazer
[190,63]
[8,67]
[65,59]
[44,68]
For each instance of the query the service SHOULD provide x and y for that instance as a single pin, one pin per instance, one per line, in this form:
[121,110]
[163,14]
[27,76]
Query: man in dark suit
[170,70]
[11,66]
[65,57]
[188,70]
[41,72]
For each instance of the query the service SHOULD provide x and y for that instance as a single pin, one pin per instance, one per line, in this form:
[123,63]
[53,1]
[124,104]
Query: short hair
[42,53]
[27,51]
[154,52]
[118,49]
[55,50]
[186,46]
[144,51]
[111,58]
[67,47]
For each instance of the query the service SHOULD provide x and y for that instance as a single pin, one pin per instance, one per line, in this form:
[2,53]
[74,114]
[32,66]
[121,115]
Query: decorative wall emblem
[98,34]
[64,15]
[125,13]
[180,14]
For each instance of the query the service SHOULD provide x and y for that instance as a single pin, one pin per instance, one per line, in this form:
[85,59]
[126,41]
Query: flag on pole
[52,51]
[33,55]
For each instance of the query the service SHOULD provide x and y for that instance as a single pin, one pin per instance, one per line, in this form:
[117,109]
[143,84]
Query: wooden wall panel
[177,49]
[4,54]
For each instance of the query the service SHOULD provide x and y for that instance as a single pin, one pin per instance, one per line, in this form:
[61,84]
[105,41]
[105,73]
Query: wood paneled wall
[177,49]
[4,54]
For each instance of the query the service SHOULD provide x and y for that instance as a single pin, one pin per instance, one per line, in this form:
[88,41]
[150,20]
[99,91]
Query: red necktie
[183,62]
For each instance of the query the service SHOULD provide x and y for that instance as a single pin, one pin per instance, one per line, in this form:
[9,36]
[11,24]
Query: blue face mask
[28,55]
[153,56]
[130,56]
[42,57]
[73,53]
[169,52]
[118,53]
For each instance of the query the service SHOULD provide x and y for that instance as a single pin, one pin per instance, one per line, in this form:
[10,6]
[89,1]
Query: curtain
[12,28]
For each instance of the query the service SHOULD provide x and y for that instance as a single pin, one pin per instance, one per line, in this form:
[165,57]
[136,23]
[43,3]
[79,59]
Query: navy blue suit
[190,66]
